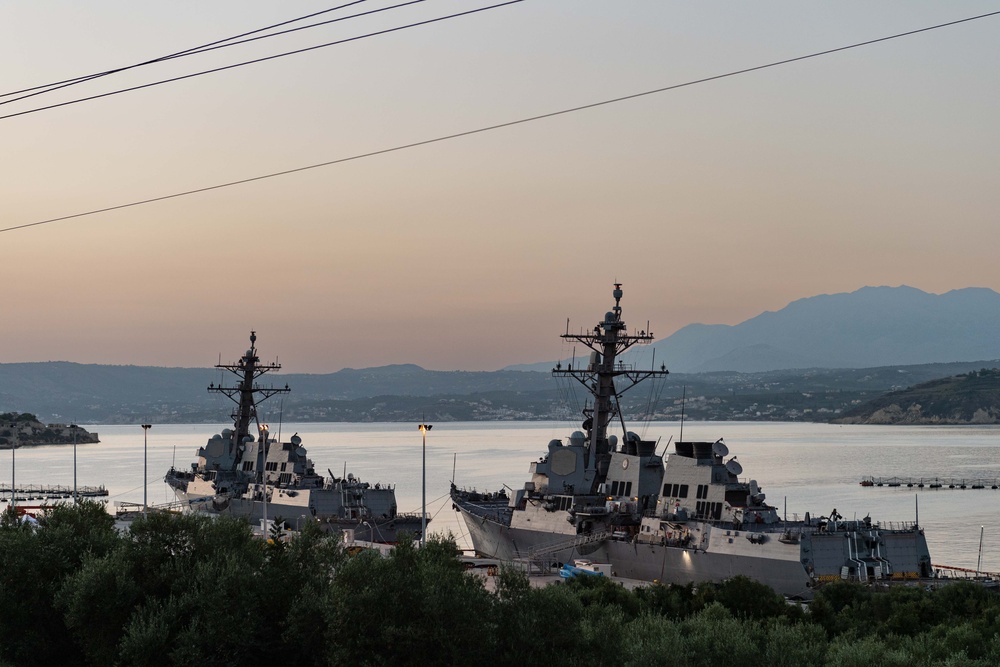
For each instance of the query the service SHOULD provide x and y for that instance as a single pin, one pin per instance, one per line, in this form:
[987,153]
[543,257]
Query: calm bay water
[806,467]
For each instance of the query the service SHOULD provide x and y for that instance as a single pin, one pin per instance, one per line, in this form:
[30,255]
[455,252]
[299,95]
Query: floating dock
[934,482]
[27,492]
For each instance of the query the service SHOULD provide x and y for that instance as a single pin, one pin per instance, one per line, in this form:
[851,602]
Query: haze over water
[814,467]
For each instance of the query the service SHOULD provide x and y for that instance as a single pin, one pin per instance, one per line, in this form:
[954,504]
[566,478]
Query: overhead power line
[498,126]
[259,60]
[235,40]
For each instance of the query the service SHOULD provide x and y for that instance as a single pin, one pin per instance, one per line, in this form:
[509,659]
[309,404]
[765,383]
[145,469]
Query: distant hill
[972,398]
[873,326]
[64,391]
[22,429]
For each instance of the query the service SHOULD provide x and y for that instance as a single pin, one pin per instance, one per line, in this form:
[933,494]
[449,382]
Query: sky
[710,203]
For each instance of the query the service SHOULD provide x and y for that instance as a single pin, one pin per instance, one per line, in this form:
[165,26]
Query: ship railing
[822,524]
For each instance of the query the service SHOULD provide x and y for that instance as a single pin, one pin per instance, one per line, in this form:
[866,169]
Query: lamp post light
[423,487]
[145,476]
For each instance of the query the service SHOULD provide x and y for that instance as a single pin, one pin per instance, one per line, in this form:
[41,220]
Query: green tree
[414,607]
[36,562]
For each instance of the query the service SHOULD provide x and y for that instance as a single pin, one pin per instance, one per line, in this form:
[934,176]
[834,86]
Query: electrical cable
[205,48]
[257,60]
[485,129]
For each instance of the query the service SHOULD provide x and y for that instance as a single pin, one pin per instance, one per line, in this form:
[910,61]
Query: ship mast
[247,394]
[607,341]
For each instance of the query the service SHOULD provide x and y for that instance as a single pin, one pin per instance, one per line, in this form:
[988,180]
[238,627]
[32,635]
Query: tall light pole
[76,498]
[979,563]
[145,476]
[264,428]
[423,487]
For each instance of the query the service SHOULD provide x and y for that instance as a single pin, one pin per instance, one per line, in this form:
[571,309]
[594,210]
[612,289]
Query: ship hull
[718,555]
[676,565]
[493,539]
[383,530]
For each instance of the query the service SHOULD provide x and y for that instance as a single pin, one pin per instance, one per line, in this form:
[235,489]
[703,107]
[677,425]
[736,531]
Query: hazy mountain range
[874,326]
[879,329]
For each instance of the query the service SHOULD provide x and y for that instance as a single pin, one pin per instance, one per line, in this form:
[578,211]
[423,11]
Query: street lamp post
[145,476]
[423,487]
[76,498]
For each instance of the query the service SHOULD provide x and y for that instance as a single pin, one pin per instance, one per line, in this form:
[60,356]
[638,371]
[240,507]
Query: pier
[26,492]
[934,482]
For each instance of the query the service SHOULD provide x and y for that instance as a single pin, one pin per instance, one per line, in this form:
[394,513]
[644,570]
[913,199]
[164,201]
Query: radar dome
[613,440]
[296,440]
[577,438]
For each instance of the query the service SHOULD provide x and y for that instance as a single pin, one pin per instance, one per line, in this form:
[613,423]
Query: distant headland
[23,429]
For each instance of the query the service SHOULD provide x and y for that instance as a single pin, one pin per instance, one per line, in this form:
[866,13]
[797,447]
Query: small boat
[584,568]
[259,477]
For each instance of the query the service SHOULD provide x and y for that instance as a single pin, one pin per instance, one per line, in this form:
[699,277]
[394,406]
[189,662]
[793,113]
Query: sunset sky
[711,203]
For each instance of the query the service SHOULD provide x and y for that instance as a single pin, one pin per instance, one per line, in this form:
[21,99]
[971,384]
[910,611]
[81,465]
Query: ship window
[614,488]
[248,465]
[285,478]
[628,489]
[716,511]
[666,491]
[703,490]
[283,465]
[684,491]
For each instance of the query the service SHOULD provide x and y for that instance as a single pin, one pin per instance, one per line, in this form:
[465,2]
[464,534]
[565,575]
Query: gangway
[532,561]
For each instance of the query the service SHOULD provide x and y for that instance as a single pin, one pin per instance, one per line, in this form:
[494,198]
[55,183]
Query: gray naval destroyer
[259,477]
[687,519]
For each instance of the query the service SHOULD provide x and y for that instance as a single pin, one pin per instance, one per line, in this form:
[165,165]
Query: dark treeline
[187,590]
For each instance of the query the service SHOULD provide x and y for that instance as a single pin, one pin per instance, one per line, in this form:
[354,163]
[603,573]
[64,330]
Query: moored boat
[258,477]
[686,518]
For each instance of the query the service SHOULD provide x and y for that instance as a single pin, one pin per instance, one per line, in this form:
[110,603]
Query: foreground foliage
[191,590]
